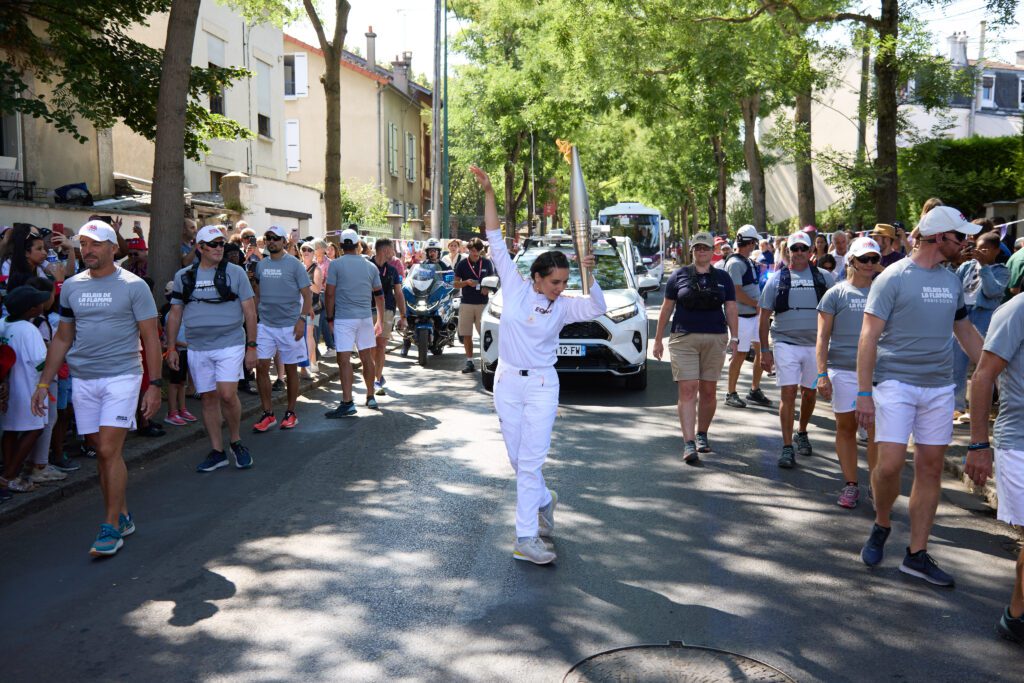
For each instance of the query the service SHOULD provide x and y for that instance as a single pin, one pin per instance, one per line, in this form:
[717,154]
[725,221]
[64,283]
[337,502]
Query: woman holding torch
[525,382]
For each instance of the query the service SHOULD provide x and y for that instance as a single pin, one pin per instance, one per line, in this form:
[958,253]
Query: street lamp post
[435,139]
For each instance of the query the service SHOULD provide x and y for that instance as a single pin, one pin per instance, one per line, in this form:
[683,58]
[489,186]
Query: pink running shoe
[187,416]
[849,496]
[175,419]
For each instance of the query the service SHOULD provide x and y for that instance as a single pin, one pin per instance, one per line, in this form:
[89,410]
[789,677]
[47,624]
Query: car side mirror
[490,282]
[640,269]
[648,284]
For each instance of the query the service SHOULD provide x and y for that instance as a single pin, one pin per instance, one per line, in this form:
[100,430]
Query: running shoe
[108,542]
[278,385]
[20,485]
[378,388]
[185,415]
[690,456]
[733,400]
[921,565]
[151,430]
[703,446]
[125,524]
[546,517]
[787,460]
[469,367]
[849,496]
[246,386]
[174,418]
[290,420]
[243,459]
[873,549]
[1011,628]
[47,474]
[757,396]
[371,403]
[383,381]
[862,436]
[214,461]
[265,422]
[66,465]
[964,419]
[532,549]
[344,409]
[803,445]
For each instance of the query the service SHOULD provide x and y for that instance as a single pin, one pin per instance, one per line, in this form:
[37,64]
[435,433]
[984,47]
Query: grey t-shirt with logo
[355,280]
[1005,339]
[106,312]
[738,267]
[798,325]
[209,323]
[845,303]
[919,306]
[280,282]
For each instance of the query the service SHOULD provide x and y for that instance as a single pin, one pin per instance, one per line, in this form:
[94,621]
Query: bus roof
[629,208]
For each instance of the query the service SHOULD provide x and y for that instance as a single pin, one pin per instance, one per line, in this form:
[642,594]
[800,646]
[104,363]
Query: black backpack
[220,281]
[786,283]
[749,277]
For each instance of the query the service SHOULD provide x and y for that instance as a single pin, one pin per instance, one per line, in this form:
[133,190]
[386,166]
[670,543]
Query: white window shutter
[301,75]
[291,144]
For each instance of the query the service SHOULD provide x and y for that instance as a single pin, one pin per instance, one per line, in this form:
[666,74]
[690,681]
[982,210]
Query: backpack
[220,281]
[749,277]
[701,298]
[786,283]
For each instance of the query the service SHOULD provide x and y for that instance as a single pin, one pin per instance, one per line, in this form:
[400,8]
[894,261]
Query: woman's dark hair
[547,262]
[21,269]
[827,260]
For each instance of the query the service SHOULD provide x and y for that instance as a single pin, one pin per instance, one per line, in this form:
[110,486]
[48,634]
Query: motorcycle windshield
[423,276]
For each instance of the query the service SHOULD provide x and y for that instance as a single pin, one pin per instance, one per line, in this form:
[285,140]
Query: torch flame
[565,149]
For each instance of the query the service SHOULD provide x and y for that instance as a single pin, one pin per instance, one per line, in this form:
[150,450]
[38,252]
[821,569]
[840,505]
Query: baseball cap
[22,298]
[99,231]
[209,233]
[136,244]
[798,238]
[864,245]
[809,228]
[946,219]
[702,238]
[747,233]
[349,236]
[276,230]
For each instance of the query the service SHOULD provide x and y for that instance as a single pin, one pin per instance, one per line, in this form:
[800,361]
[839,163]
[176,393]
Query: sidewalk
[139,450]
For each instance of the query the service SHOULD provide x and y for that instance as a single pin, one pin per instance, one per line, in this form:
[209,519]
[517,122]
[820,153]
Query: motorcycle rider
[432,252]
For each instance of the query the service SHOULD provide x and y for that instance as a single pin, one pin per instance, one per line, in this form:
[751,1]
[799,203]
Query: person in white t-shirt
[525,381]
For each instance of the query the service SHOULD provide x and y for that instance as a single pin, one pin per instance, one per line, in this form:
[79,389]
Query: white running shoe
[533,550]
[46,474]
[546,520]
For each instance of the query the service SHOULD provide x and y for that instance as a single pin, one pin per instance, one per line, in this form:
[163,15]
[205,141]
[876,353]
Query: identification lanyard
[479,271]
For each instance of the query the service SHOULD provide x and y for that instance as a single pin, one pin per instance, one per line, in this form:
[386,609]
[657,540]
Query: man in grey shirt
[285,301]
[1002,358]
[103,311]
[792,295]
[744,276]
[905,380]
[353,285]
[215,299]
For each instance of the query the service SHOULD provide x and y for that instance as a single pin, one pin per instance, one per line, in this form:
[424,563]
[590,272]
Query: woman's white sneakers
[532,549]
[546,517]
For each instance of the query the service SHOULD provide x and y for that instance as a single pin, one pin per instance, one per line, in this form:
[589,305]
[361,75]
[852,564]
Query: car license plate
[572,350]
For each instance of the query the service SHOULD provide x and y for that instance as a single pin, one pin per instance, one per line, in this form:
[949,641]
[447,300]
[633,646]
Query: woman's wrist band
[979,446]
[864,393]
[822,374]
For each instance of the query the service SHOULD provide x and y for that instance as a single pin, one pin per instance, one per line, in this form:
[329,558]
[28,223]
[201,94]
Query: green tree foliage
[94,70]
[363,204]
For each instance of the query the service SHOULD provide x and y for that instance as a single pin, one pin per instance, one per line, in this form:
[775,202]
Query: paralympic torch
[579,217]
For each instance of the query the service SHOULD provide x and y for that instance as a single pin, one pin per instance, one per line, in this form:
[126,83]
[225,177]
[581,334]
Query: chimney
[954,42]
[958,49]
[1020,57]
[371,49]
[400,72]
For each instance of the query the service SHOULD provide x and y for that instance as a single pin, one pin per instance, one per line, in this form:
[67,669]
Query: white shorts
[904,408]
[844,390]
[220,365]
[748,331]
[1010,485]
[272,340]
[795,365]
[358,332]
[106,402]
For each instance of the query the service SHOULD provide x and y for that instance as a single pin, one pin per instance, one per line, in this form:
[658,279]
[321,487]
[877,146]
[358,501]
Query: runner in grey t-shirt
[798,325]
[354,280]
[845,303]
[211,323]
[744,274]
[281,285]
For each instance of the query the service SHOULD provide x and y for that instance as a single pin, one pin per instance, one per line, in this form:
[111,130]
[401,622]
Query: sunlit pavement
[379,549]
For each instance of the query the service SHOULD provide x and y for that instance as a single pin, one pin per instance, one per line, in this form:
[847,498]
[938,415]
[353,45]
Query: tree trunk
[723,182]
[802,159]
[167,208]
[886,80]
[512,199]
[712,211]
[751,105]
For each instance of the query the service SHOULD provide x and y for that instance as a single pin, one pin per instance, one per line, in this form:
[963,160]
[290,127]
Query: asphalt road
[379,549]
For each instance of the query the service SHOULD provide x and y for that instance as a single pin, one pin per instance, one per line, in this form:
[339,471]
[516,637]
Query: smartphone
[251,239]
[58,228]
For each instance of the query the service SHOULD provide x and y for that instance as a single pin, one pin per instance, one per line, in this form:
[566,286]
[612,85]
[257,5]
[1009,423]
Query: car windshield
[642,229]
[608,272]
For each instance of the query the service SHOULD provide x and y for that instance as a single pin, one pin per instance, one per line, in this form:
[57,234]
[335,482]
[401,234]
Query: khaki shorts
[470,318]
[697,356]
[389,322]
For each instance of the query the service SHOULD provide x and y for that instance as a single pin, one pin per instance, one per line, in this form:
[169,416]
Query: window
[410,157]
[396,207]
[215,178]
[215,49]
[393,150]
[413,211]
[296,77]
[291,145]
[1020,93]
[988,91]
[263,97]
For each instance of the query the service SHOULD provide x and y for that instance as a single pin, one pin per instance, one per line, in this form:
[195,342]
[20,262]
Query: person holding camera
[705,322]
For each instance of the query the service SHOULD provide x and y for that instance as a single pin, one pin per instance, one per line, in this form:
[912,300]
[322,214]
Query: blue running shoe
[107,542]
[214,461]
[343,410]
[871,553]
[243,460]
[125,525]
[371,403]
[921,565]
[1010,627]
[788,458]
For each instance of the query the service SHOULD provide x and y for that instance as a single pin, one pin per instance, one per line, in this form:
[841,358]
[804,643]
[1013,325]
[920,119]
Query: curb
[24,505]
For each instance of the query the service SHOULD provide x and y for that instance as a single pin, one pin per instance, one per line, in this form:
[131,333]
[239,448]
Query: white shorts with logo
[273,340]
[358,332]
[844,390]
[1010,485]
[106,402]
[220,365]
[748,333]
[902,409]
[795,365]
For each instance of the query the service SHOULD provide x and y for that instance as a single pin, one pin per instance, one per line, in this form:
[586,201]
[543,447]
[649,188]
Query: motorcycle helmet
[432,243]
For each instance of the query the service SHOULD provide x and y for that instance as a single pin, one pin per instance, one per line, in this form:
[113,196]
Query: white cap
[747,232]
[946,219]
[864,245]
[276,230]
[98,231]
[704,238]
[209,233]
[349,236]
[798,238]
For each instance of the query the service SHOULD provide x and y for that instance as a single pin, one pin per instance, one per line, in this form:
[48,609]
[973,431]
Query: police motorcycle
[431,307]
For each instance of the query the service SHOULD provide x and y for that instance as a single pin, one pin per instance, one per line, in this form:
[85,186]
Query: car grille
[587,330]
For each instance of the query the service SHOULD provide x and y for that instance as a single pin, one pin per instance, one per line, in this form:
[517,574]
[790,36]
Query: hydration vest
[786,283]
[699,298]
[220,281]
[749,277]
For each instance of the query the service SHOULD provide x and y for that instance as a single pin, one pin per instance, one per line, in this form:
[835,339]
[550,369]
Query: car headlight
[623,313]
[495,310]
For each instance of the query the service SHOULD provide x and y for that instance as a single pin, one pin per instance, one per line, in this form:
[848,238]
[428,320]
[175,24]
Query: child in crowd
[41,471]
[177,413]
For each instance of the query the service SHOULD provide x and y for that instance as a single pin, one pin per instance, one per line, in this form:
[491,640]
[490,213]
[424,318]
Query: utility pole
[436,186]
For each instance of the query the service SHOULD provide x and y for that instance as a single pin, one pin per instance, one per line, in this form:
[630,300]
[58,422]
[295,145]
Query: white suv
[614,344]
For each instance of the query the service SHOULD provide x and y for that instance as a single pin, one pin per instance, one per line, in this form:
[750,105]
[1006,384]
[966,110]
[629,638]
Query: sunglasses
[869,259]
[272,237]
[798,248]
[307,249]
[219,244]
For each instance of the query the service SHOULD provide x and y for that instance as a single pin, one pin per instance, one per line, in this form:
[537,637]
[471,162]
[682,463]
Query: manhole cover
[674,662]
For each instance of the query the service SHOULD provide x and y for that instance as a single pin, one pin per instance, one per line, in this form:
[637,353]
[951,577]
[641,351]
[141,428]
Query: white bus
[644,226]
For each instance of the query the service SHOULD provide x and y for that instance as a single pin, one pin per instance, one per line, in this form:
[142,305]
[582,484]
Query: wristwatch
[250,345]
[734,340]
[158,382]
